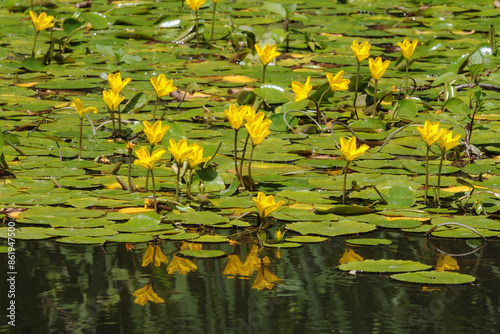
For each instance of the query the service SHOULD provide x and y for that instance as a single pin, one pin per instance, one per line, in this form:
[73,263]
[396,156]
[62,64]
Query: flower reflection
[265,279]
[253,262]
[446,263]
[155,255]
[191,246]
[349,256]
[145,294]
[181,265]
[235,267]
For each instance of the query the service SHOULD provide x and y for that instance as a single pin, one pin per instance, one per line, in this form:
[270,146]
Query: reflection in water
[81,289]
[265,279]
[349,256]
[145,294]
[446,263]
[181,265]
[153,255]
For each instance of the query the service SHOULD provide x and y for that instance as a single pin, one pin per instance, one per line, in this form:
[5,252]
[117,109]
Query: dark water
[85,289]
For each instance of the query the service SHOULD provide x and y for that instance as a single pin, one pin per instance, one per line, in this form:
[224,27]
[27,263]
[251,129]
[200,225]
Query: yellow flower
[377,67]
[145,160]
[349,256]
[145,294]
[267,54]
[252,116]
[234,267]
[266,204]
[301,91]
[446,263]
[447,141]
[180,151]
[155,255]
[265,279]
[155,132]
[78,105]
[162,86]
[408,48]
[181,265]
[258,129]
[196,156]
[195,4]
[349,150]
[116,83]
[112,98]
[236,116]
[42,22]
[336,82]
[361,51]
[130,146]
[430,132]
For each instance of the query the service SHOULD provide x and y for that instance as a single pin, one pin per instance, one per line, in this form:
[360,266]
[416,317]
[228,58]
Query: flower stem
[406,81]
[154,110]
[264,74]
[439,180]
[112,112]
[197,36]
[81,138]
[178,184]
[426,175]
[250,168]
[213,23]
[129,175]
[375,99]
[154,190]
[190,180]
[356,92]
[345,182]
[147,173]
[34,45]
[243,156]
[119,123]
[238,176]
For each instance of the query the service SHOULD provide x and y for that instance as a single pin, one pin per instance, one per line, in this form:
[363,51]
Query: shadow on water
[85,289]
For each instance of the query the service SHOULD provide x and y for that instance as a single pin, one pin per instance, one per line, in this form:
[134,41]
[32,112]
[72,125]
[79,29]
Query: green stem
[318,104]
[250,168]
[238,176]
[375,99]
[406,81]
[129,175]
[243,156]
[81,138]
[197,36]
[178,185]
[190,180]
[439,179]
[147,173]
[119,123]
[426,175]
[356,92]
[213,23]
[112,112]
[66,42]
[264,73]
[154,110]
[345,181]
[154,190]
[34,45]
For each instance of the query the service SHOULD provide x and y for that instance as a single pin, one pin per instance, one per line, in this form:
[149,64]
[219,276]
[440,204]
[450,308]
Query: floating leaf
[434,277]
[81,240]
[331,228]
[384,266]
[368,242]
[203,254]
[306,239]
[283,245]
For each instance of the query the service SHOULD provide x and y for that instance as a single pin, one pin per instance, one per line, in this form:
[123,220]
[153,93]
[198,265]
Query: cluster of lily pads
[314,215]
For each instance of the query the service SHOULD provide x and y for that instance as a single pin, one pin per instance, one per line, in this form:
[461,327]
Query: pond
[241,166]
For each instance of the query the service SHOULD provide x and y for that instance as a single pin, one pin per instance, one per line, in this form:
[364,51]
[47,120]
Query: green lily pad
[306,239]
[331,229]
[81,240]
[384,266]
[462,232]
[80,232]
[434,277]
[130,237]
[211,238]
[179,236]
[283,245]
[368,242]
[143,222]
[345,210]
[27,233]
[203,254]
